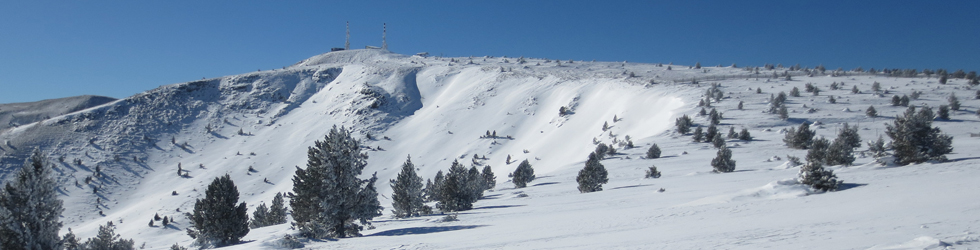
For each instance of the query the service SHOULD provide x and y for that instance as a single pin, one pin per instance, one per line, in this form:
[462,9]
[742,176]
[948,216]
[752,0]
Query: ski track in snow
[436,109]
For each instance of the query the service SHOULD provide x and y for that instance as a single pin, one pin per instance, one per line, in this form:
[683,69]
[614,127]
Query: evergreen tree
[601,150]
[329,196]
[652,172]
[488,178]
[30,208]
[591,178]
[854,90]
[814,175]
[739,105]
[714,117]
[260,217]
[896,101]
[107,239]
[877,148]
[475,183]
[904,101]
[876,87]
[744,135]
[718,142]
[799,138]
[698,135]
[943,112]
[653,152]
[70,241]
[871,112]
[817,151]
[914,140]
[523,174]
[277,213]
[216,221]
[456,194]
[783,113]
[954,103]
[795,92]
[406,192]
[710,135]
[723,162]
[731,133]
[839,152]
[849,136]
[437,186]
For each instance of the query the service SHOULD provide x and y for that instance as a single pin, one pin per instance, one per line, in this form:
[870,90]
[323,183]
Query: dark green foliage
[896,101]
[854,89]
[904,101]
[523,174]
[818,150]
[795,92]
[30,208]
[777,102]
[698,135]
[652,172]
[653,152]
[714,117]
[328,195]
[814,175]
[839,153]
[799,138]
[710,135]
[954,103]
[744,135]
[914,140]
[783,113]
[871,112]
[107,239]
[731,133]
[406,192]
[943,112]
[475,183]
[259,216]
[723,162]
[488,178]
[876,86]
[216,220]
[739,105]
[849,135]
[877,148]
[718,141]
[591,178]
[277,213]
[683,124]
[601,150]
[456,194]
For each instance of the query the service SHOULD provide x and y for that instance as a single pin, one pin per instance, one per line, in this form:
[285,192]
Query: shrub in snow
[475,183]
[954,103]
[796,91]
[406,192]
[783,113]
[431,191]
[839,152]
[683,124]
[799,138]
[854,90]
[652,172]
[328,195]
[714,117]
[653,152]
[739,105]
[832,100]
[106,239]
[744,135]
[591,178]
[601,150]
[731,133]
[915,95]
[871,112]
[723,162]
[488,177]
[876,86]
[943,112]
[793,161]
[175,246]
[698,135]
[777,102]
[914,140]
[817,150]
[289,241]
[456,194]
[523,174]
[814,175]
[30,208]
[710,135]
[216,220]
[896,101]
[718,142]
[904,101]
[849,136]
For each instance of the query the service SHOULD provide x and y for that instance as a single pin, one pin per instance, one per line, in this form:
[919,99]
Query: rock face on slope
[17,114]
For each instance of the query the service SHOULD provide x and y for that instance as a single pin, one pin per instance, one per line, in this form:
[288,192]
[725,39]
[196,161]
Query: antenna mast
[347,44]
[384,34]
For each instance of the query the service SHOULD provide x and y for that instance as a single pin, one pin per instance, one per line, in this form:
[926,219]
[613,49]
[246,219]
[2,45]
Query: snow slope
[16,114]
[436,110]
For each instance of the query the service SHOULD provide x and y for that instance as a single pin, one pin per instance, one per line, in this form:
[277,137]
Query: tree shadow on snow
[500,206]
[632,186]
[846,186]
[422,230]
[964,159]
[542,184]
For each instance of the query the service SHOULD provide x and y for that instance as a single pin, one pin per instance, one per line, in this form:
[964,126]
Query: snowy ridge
[437,110]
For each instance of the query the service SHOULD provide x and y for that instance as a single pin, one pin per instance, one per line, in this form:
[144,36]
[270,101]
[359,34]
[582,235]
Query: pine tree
[523,174]
[814,175]
[718,142]
[839,152]
[329,196]
[854,90]
[914,140]
[30,208]
[70,241]
[437,186]
[876,87]
[783,113]
[744,135]
[216,221]
[943,112]
[475,183]
[904,101]
[488,178]
[739,105]
[456,195]
[896,101]
[653,152]
[723,162]
[954,103]
[107,239]
[877,148]
[799,138]
[277,212]
[260,217]
[406,192]
[795,92]
[601,150]
[849,135]
[871,112]
[731,133]
[652,172]
[683,124]
[817,151]
[710,135]
[698,135]
[591,178]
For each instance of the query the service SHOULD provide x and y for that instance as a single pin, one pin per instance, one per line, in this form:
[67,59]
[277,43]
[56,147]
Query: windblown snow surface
[436,110]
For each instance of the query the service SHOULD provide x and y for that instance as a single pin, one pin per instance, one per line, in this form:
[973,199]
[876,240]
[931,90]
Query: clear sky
[52,49]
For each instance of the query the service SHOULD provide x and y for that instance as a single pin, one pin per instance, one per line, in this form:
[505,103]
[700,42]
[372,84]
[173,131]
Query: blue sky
[52,49]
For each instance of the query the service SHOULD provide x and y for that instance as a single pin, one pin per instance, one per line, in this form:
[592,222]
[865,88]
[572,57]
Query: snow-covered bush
[914,140]
[871,112]
[406,192]
[683,124]
[814,175]
[591,178]
[653,152]
[652,172]
[523,174]
[799,138]
[216,220]
[723,162]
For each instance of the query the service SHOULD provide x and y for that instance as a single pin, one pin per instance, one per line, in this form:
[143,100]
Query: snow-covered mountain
[437,109]
[16,114]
